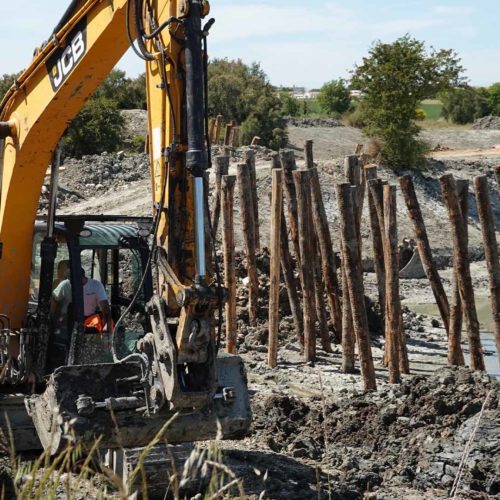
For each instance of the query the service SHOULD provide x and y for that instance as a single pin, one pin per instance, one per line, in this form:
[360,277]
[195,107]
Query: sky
[298,42]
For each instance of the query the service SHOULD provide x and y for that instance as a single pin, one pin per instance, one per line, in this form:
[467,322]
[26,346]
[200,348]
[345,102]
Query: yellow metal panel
[42,117]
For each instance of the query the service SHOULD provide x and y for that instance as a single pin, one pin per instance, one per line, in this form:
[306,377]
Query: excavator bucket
[100,401]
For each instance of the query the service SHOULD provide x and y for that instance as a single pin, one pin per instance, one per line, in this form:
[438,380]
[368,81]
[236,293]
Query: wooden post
[287,269]
[290,281]
[348,360]
[424,248]
[376,188]
[248,227]
[218,127]
[211,130]
[302,179]
[275,161]
[236,137]
[455,352]
[228,182]
[287,157]
[227,136]
[354,274]
[490,250]
[221,169]
[319,299]
[352,172]
[377,243]
[328,267]
[397,354]
[250,161]
[461,256]
[274,278]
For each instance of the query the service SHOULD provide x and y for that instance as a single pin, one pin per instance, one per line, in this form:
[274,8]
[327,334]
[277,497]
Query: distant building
[300,93]
[356,94]
[312,94]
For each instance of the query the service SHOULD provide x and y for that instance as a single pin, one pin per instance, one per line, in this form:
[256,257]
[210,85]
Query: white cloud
[258,20]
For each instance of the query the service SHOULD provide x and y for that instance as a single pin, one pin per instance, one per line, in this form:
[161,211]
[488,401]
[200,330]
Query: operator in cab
[96,308]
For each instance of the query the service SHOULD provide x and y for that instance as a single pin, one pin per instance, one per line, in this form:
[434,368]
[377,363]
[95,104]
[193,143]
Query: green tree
[334,98]
[128,93]
[97,128]
[243,93]
[289,104]
[395,78]
[6,82]
[494,99]
[464,105]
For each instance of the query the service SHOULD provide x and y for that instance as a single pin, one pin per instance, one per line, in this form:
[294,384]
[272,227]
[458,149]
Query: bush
[242,93]
[279,140]
[97,128]
[6,82]
[289,105]
[395,78]
[138,144]
[126,92]
[494,99]
[334,98]
[420,115]
[357,117]
[464,105]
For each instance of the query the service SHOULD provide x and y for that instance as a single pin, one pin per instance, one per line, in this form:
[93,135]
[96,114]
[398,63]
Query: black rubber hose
[66,16]
[139,28]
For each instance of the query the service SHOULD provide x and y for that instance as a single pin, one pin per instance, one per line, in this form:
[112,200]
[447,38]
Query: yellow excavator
[159,356]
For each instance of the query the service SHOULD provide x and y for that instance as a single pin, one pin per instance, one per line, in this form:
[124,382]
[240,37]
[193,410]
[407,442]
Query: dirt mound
[487,122]
[94,175]
[412,435]
[313,122]
[136,124]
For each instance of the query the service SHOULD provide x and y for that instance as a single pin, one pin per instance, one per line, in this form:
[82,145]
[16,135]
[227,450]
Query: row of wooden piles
[298,216]
[223,134]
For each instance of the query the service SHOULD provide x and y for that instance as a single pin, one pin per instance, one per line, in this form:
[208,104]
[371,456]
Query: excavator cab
[115,252]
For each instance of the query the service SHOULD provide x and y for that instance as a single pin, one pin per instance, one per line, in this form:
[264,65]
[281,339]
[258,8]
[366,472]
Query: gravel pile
[136,125]
[313,122]
[94,175]
[410,436]
[487,122]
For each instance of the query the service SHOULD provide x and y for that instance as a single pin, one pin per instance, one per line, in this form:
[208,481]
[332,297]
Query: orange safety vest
[96,322]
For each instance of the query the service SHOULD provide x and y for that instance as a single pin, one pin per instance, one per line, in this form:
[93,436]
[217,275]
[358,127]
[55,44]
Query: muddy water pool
[485,315]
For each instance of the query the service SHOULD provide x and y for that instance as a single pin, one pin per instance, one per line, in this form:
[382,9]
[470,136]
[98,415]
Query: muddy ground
[314,432]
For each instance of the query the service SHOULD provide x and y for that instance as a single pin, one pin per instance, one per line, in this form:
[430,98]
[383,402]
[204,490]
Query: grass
[433,109]
[77,471]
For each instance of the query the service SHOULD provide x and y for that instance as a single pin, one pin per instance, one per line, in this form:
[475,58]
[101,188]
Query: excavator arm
[174,368]
[89,41]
